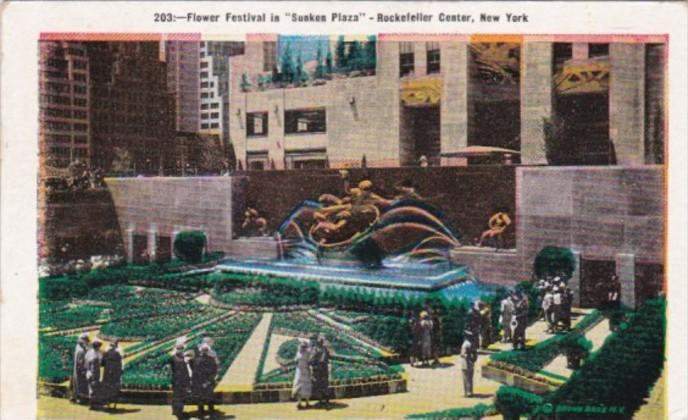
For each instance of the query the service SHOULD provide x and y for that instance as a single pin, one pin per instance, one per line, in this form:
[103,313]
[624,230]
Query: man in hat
[203,381]
[208,341]
[557,303]
[469,355]
[474,324]
[547,309]
[485,325]
[320,367]
[566,307]
[506,313]
[436,335]
[79,381]
[426,337]
[520,320]
[181,378]
[93,362]
[112,373]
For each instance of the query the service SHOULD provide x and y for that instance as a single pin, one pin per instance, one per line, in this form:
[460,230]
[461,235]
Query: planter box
[514,379]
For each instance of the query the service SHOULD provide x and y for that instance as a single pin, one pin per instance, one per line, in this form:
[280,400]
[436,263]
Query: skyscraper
[183,60]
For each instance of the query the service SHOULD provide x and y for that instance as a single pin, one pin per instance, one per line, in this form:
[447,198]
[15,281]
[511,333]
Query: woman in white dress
[301,390]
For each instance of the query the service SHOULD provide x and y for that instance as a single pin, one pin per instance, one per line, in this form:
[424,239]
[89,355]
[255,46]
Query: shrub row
[478,411]
[267,290]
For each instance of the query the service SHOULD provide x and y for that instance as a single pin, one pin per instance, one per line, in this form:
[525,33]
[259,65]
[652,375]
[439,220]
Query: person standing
[302,386]
[547,308]
[567,305]
[473,325]
[320,363]
[181,379]
[520,321]
[485,325]
[426,338]
[416,337]
[203,379]
[93,363]
[557,303]
[112,373]
[79,381]
[506,313]
[468,355]
[436,335]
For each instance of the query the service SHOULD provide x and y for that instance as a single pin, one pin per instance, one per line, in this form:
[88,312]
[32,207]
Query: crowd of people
[312,377]
[89,384]
[556,300]
[425,338]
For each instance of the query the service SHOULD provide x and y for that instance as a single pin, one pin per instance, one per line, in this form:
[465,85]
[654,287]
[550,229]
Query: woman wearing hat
[112,373]
[79,382]
[203,381]
[93,361]
[320,362]
[301,389]
[181,379]
[426,337]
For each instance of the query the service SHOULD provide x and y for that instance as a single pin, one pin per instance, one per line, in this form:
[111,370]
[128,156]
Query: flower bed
[152,370]
[56,357]
[62,315]
[536,358]
[261,290]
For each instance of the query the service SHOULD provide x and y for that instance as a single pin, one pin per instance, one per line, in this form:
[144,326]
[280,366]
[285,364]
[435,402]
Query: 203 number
[163,17]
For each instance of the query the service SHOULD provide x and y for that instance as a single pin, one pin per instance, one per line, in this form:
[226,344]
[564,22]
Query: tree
[554,260]
[287,66]
[189,246]
[211,156]
[355,59]
[320,68]
[123,161]
[370,53]
[328,62]
[340,55]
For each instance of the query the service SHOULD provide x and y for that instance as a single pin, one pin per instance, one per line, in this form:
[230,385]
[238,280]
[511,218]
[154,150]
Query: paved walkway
[654,407]
[429,389]
[596,335]
[242,373]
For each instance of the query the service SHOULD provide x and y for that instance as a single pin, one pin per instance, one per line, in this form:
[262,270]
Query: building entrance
[594,282]
[420,134]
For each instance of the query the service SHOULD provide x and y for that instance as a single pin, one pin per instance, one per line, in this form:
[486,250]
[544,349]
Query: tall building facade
[65,129]
[183,64]
[132,112]
[457,100]
[214,87]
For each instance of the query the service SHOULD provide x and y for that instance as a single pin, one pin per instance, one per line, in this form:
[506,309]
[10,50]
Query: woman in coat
[181,380]
[426,337]
[203,380]
[79,381]
[93,361]
[301,389]
[112,373]
[320,362]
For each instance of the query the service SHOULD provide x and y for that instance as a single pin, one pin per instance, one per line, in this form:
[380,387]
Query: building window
[598,50]
[204,74]
[433,57]
[257,124]
[204,126]
[79,77]
[204,64]
[204,106]
[80,89]
[305,121]
[80,139]
[269,55]
[214,105]
[215,115]
[406,58]
[204,84]
[256,161]
[80,102]
[214,125]
[204,116]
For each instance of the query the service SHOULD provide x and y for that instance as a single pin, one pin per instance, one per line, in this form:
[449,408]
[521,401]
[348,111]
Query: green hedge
[622,373]
[262,290]
[552,260]
[513,402]
[537,357]
[190,245]
[56,357]
[478,411]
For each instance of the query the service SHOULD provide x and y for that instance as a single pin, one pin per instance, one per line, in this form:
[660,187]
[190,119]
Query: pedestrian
[302,386]
[320,363]
[79,383]
[468,355]
[93,363]
[436,335]
[557,303]
[208,341]
[567,305]
[112,373]
[180,365]
[203,379]
[474,324]
[416,337]
[426,338]
[547,309]
[506,313]
[520,321]
[485,325]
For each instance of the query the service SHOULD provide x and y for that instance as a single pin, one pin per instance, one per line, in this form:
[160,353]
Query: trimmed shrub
[514,402]
[553,260]
[476,412]
[189,246]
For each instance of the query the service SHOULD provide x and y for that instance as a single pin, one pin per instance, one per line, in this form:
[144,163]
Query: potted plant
[576,348]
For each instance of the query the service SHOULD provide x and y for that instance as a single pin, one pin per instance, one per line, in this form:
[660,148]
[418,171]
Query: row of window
[407,58]
[213,105]
[206,95]
[64,113]
[57,125]
[295,121]
[211,125]
[212,115]
[65,138]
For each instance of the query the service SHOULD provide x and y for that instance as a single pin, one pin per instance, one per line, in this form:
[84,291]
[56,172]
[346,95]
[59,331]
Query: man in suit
[469,355]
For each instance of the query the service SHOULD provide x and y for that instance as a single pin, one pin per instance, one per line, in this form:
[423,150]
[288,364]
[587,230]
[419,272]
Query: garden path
[343,327]
[654,407]
[271,358]
[242,373]
[596,335]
